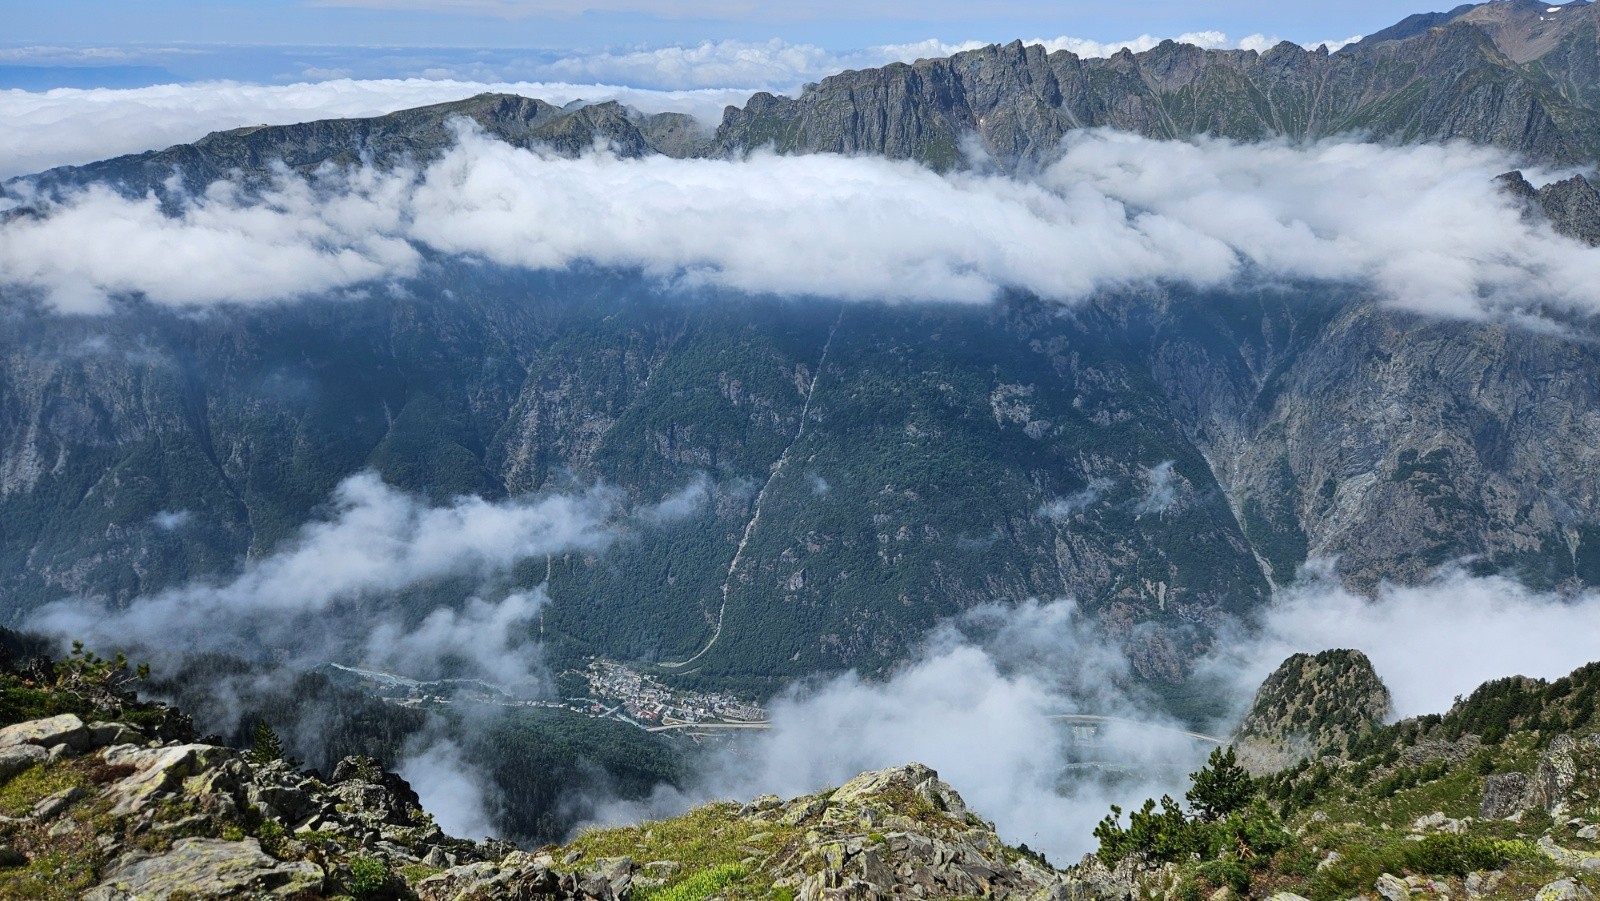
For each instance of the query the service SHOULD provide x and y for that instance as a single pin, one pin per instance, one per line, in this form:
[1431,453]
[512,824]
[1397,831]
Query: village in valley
[621,691]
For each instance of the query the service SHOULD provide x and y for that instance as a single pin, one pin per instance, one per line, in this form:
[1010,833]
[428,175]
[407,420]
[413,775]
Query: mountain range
[1166,455]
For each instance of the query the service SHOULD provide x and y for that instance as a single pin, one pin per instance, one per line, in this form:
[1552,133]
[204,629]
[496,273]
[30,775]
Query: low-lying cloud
[977,703]
[1428,642]
[1424,227]
[339,588]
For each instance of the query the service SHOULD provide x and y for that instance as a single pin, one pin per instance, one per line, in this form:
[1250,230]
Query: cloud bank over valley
[1424,227]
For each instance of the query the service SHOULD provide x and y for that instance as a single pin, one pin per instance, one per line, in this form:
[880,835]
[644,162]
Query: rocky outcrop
[895,833]
[174,819]
[1571,206]
[202,868]
[1309,704]
[1568,776]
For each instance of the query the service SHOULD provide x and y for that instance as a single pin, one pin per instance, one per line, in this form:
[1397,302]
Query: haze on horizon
[94,43]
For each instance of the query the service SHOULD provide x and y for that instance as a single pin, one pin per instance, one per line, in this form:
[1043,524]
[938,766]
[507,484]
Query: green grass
[36,783]
[697,886]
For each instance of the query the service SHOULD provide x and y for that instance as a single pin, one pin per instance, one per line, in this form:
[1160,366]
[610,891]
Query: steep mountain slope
[1163,455]
[1159,456]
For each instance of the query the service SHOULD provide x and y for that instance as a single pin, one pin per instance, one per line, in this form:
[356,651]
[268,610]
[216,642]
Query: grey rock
[54,805]
[1480,883]
[206,868]
[65,729]
[1392,888]
[102,734]
[1564,890]
[157,772]
[1552,783]
[1503,795]
[17,758]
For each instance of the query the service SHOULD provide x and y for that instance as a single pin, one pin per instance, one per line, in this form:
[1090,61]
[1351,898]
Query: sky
[135,42]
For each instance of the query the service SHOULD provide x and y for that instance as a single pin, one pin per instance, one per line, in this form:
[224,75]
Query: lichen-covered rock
[1564,890]
[1392,888]
[1583,861]
[1566,773]
[517,877]
[157,771]
[65,729]
[206,869]
[1503,795]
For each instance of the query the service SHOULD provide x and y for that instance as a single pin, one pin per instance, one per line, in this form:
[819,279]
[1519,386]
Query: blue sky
[575,24]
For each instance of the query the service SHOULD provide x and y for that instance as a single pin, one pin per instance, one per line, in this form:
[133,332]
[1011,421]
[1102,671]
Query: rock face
[157,820]
[1572,206]
[1567,777]
[1304,425]
[1311,703]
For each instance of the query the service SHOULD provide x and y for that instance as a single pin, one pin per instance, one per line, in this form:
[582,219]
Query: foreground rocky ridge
[95,812]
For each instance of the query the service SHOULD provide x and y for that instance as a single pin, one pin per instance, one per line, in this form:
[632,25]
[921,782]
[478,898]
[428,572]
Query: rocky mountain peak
[1311,702]
[1571,206]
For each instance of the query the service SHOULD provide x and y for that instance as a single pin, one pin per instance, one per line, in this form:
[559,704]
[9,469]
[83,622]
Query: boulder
[1503,795]
[158,771]
[65,729]
[102,735]
[56,804]
[1564,890]
[206,868]
[1392,888]
[1586,861]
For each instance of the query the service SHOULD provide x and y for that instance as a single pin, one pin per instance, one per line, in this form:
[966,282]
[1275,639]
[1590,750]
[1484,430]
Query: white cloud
[171,520]
[1062,508]
[334,589]
[1161,489]
[975,704]
[1428,642]
[783,66]
[1424,226]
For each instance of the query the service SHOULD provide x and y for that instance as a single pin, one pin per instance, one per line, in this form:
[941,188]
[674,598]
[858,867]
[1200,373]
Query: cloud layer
[1424,226]
[1428,642]
[339,589]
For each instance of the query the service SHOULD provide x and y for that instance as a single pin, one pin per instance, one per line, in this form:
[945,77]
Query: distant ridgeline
[1514,74]
[950,457]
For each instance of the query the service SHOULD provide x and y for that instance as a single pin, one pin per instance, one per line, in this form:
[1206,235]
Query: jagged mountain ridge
[1507,73]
